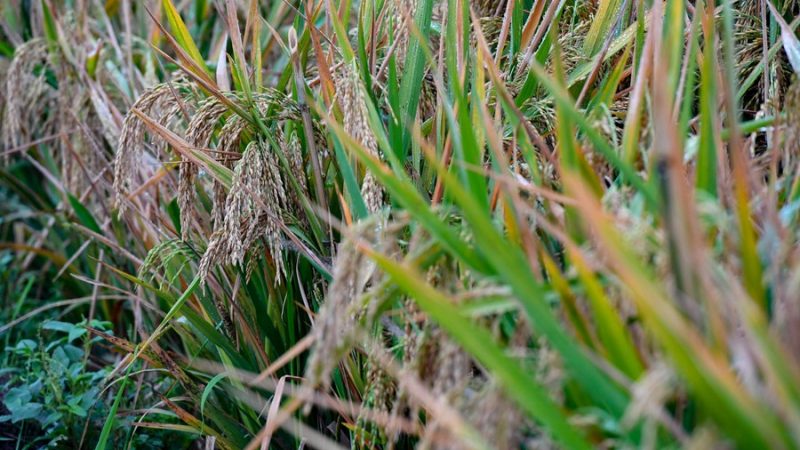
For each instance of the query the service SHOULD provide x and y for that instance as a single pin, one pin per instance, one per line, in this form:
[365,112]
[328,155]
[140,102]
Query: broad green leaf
[84,216]
[181,33]
[706,170]
[414,71]
[602,24]
[50,28]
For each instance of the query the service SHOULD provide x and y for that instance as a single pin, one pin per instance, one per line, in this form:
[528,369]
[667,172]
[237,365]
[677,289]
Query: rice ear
[252,210]
[229,139]
[24,107]
[380,393]
[159,102]
[214,255]
[199,133]
[187,173]
[354,296]
[204,121]
[404,11]
[352,101]
[294,154]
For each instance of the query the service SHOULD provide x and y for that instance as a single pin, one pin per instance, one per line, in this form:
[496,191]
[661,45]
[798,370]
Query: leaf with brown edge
[197,67]
[182,37]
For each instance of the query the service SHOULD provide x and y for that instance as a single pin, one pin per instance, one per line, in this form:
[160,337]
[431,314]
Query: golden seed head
[352,100]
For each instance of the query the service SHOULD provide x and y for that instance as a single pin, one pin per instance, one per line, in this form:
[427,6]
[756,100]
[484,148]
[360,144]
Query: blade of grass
[413,72]
[181,33]
[112,413]
[706,171]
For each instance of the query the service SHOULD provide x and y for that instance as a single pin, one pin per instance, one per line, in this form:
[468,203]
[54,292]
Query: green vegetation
[399,224]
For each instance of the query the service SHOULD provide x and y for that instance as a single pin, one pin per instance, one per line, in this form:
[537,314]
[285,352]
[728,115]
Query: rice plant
[395,224]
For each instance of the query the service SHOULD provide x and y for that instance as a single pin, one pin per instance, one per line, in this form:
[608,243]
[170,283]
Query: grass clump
[401,224]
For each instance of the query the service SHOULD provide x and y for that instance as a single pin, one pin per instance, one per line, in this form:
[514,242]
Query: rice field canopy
[433,224]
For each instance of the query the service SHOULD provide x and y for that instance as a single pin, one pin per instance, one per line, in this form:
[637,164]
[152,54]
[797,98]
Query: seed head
[356,123]
[160,103]
[338,321]
[27,94]
[198,134]
[253,210]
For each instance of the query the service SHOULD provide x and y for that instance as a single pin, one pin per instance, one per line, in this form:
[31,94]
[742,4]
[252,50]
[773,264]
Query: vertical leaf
[706,171]
[181,33]
[414,71]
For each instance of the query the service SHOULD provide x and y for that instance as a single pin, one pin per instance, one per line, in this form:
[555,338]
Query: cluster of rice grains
[253,208]
[163,103]
[46,98]
[23,89]
[349,313]
[452,375]
[340,318]
[259,196]
[356,123]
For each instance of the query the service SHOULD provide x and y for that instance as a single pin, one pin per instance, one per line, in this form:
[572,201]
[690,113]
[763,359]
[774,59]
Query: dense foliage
[399,224]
